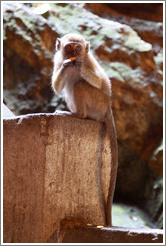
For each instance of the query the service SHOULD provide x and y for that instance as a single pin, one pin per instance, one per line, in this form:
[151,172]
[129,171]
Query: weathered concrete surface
[112,235]
[55,168]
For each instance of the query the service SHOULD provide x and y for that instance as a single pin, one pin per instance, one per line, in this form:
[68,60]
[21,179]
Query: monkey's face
[72,45]
[73,49]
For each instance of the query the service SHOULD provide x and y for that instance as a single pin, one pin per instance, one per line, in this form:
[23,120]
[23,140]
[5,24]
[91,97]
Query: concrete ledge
[112,235]
[55,168]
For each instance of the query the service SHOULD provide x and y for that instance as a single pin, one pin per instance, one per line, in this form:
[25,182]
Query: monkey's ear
[87,46]
[58,44]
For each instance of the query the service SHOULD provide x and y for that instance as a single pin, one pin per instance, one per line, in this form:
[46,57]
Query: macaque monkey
[87,92]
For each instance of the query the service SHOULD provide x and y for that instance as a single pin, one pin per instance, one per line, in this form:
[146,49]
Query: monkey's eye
[78,48]
[69,47]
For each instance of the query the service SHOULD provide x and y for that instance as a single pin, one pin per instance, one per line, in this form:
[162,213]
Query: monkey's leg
[79,98]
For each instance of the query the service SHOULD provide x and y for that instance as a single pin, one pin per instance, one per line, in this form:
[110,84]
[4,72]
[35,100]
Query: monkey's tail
[114,164]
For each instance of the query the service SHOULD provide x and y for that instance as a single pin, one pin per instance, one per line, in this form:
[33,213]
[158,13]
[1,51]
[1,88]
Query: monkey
[87,93]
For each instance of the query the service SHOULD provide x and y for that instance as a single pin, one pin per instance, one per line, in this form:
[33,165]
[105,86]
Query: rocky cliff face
[128,47]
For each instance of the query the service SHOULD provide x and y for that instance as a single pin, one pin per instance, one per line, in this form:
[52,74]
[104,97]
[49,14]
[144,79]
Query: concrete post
[55,168]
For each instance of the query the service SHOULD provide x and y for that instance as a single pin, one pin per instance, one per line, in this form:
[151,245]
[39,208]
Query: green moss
[109,29]
[4,34]
[159,63]
[69,19]
[6,16]
[158,59]
[10,23]
[124,70]
[129,216]
[29,24]
[111,72]
[133,41]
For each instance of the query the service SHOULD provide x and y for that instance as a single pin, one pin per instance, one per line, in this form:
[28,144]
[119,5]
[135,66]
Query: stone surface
[149,29]
[130,216]
[111,235]
[52,174]
[29,43]
[147,11]
[156,161]
[154,205]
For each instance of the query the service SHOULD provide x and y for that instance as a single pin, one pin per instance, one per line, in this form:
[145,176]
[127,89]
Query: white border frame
[2,121]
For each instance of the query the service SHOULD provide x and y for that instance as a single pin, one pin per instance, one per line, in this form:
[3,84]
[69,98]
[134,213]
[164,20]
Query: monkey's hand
[67,63]
[70,63]
[78,63]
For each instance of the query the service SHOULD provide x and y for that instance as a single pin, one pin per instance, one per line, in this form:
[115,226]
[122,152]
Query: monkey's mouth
[72,58]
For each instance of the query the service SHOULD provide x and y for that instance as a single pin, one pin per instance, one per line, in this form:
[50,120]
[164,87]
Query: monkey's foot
[59,112]
[101,119]
[80,116]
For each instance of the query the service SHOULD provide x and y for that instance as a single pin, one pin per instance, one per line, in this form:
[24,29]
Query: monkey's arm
[58,79]
[92,72]
[92,77]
